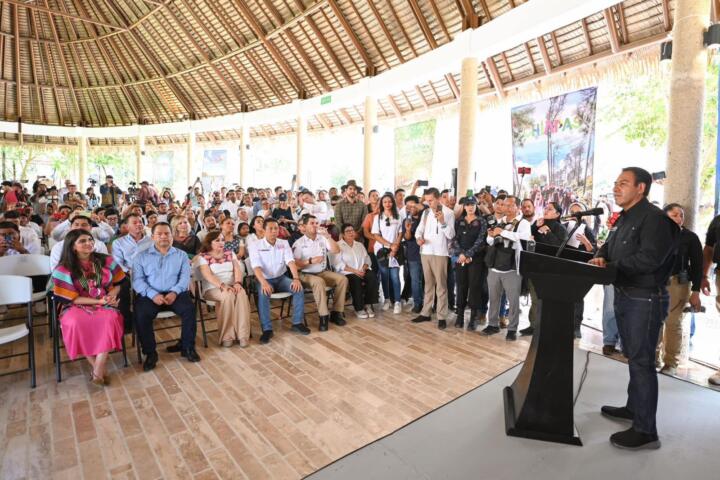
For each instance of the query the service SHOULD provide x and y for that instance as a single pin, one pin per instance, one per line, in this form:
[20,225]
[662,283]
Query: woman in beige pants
[222,277]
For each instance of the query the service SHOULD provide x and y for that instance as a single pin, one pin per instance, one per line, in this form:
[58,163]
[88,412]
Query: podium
[539,404]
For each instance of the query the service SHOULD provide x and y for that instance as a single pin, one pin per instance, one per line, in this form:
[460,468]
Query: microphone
[587,213]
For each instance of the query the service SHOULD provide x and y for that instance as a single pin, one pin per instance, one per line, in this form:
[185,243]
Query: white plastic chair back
[15,289]
[51,243]
[25,265]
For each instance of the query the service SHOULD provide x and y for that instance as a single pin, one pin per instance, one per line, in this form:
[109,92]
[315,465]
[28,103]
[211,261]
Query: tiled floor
[276,411]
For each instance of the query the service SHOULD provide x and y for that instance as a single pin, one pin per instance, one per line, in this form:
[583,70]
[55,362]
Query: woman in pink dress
[88,284]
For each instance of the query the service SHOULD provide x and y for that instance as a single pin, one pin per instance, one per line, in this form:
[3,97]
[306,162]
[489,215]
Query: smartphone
[8,238]
[658,176]
[423,183]
[469,192]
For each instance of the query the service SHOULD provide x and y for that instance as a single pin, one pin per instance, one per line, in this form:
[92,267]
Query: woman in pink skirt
[87,284]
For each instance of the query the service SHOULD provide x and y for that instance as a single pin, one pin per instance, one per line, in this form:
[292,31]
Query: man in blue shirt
[161,278]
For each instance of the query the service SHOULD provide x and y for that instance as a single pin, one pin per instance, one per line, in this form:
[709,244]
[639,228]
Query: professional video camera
[92,182]
[133,190]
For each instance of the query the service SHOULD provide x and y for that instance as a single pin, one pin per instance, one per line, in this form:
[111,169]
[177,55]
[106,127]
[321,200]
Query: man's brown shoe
[609,350]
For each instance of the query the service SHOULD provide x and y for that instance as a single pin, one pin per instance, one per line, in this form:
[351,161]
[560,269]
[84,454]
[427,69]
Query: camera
[92,181]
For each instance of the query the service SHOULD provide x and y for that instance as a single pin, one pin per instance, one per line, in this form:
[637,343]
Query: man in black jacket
[641,248]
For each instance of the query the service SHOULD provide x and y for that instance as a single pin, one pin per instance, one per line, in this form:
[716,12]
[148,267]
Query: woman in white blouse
[353,261]
[222,277]
[386,232]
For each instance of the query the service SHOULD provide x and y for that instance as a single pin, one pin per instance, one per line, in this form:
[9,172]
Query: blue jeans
[416,281]
[280,284]
[609,324]
[388,275]
[639,318]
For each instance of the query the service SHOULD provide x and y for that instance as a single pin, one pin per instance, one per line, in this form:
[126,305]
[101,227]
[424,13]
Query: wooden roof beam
[547,64]
[261,35]
[531,62]
[667,21]
[453,85]
[402,28]
[43,49]
[350,33]
[494,76]
[470,17]
[323,41]
[63,61]
[33,70]
[438,15]
[612,30]
[420,17]
[18,73]
[50,11]
[386,31]
[586,35]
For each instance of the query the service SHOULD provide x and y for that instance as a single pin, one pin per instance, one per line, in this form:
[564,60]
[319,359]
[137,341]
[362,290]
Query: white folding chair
[18,290]
[29,265]
[196,279]
[251,287]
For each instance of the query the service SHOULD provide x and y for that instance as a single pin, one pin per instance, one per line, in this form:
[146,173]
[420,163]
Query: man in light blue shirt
[127,247]
[161,278]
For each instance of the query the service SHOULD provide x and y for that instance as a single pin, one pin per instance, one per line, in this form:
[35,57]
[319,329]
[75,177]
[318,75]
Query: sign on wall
[214,169]
[555,137]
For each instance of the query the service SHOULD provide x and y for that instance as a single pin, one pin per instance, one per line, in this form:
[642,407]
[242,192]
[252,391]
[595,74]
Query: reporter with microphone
[641,248]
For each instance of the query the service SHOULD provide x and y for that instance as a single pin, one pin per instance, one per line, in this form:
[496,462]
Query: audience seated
[353,261]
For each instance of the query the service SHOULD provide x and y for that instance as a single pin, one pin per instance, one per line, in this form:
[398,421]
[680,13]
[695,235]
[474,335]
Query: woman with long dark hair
[257,230]
[548,229]
[88,285]
[467,249]
[386,232]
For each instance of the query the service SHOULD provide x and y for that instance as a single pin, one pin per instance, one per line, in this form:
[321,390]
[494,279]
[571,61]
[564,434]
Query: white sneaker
[398,308]
[370,311]
[715,379]
[409,305]
[361,314]
[386,304]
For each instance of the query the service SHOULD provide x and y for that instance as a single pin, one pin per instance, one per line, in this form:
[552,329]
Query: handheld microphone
[587,213]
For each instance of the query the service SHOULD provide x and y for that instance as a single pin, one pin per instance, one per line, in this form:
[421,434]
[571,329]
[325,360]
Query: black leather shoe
[150,361]
[527,332]
[460,322]
[442,324]
[490,330]
[323,323]
[174,348]
[417,309]
[617,413]
[511,336]
[337,319]
[300,328]
[266,336]
[191,355]
[633,440]
[420,318]
[472,325]
[578,333]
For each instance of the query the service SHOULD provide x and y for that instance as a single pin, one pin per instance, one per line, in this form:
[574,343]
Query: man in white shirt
[79,222]
[436,230]
[103,232]
[232,204]
[311,252]
[210,224]
[162,213]
[353,261]
[28,237]
[504,273]
[317,209]
[271,257]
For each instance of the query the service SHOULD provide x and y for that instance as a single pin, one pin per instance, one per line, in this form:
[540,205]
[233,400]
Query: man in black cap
[641,247]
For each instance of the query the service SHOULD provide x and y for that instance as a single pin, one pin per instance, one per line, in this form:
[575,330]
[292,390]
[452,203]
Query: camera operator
[642,249]
[501,259]
[687,268]
[39,199]
[110,193]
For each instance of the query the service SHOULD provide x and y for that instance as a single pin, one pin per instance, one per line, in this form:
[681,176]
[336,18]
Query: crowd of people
[121,257]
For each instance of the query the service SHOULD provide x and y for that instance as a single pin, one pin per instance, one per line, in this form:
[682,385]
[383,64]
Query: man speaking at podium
[641,247]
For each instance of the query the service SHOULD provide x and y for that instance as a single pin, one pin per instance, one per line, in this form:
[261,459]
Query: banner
[214,169]
[414,151]
[555,138]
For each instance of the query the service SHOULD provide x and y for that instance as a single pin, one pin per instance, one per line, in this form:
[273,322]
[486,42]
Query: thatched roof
[121,62]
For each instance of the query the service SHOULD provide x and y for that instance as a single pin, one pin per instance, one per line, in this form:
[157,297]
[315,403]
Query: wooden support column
[368,134]
[468,115]
[687,99]
[301,131]
[139,154]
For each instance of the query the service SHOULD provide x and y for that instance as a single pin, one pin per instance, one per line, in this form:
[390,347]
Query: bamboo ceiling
[120,62]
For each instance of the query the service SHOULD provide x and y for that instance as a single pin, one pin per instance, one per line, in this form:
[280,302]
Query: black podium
[539,404]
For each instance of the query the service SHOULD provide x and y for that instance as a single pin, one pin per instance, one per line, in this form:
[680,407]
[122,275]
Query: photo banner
[555,137]
[214,169]
[414,151]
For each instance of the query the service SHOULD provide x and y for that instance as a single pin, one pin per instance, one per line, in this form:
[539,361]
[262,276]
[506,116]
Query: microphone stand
[570,235]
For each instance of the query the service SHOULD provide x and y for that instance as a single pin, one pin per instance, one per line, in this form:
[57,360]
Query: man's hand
[544,229]
[296,286]
[695,301]
[462,259]
[598,262]
[420,242]
[318,259]
[440,217]
[540,222]
[158,299]
[266,288]
[170,298]
[495,232]
[705,286]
